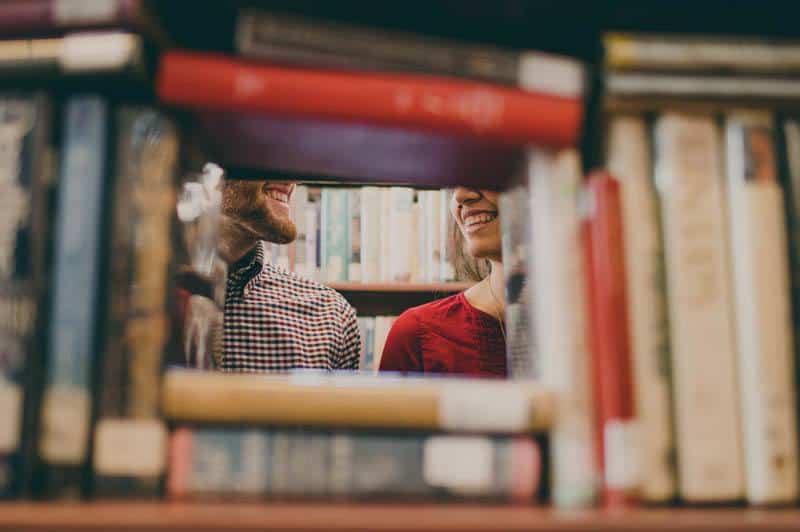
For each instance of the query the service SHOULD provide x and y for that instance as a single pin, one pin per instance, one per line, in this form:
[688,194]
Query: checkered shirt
[276,321]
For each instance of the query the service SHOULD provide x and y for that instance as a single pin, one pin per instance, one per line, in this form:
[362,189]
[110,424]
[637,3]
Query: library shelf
[238,517]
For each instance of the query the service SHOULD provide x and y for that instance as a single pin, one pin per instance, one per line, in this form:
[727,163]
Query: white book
[312,216]
[383,325]
[560,324]
[370,234]
[386,235]
[688,175]
[432,234]
[354,269]
[298,205]
[629,161]
[416,242]
[400,233]
[447,270]
[763,312]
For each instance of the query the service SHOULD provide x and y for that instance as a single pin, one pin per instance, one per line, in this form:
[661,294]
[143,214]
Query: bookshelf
[241,517]
[375,299]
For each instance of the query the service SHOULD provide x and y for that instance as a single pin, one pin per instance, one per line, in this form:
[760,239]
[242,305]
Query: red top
[446,336]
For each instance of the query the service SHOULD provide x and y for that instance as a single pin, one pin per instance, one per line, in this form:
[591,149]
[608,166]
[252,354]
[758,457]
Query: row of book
[370,235]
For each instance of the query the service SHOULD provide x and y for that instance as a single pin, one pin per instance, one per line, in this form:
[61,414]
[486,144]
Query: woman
[461,334]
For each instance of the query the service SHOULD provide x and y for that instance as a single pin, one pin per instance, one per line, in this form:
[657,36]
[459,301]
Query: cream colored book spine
[560,324]
[688,172]
[761,289]
[629,161]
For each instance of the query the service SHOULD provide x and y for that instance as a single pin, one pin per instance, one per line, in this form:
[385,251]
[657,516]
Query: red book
[323,150]
[609,340]
[428,103]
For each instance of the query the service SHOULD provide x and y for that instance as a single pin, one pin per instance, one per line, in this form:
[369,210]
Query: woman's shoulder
[441,309]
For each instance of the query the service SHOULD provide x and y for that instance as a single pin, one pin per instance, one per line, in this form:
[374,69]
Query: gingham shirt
[276,321]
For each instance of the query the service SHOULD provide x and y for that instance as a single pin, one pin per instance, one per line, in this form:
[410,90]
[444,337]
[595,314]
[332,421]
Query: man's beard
[245,205]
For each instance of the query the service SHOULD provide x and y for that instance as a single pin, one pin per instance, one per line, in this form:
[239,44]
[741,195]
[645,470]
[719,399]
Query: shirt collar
[248,267]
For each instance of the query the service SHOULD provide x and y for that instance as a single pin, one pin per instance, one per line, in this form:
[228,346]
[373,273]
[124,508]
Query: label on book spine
[65,425]
[10,421]
[463,464]
[132,447]
[622,468]
[488,407]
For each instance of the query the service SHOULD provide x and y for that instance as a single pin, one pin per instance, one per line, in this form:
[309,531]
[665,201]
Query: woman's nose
[466,195]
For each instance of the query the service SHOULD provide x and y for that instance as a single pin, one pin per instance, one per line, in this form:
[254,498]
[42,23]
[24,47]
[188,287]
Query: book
[322,150]
[65,425]
[426,103]
[703,54]
[630,84]
[383,324]
[560,323]
[129,438]
[688,176]
[37,17]
[358,401]
[303,463]
[26,181]
[294,40]
[612,362]
[628,158]
[401,234]
[522,347]
[354,234]
[335,245]
[386,235]
[298,205]
[762,309]
[446,227]
[371,231]
[116,52]
[366,328]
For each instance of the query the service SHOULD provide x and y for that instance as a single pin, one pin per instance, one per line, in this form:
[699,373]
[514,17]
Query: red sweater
[446,336]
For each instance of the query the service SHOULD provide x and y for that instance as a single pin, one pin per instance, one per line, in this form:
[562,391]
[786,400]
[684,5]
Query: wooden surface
[392,299]
[442,288]
[196,517]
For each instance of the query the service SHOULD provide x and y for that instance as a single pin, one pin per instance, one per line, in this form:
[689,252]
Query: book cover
[560,323]
[130,439]
[444,105]
[371,232]
[25,186]
[613,365]
[762,311]
[293,40]
[353,400]
[353,220]
[302,463]
[65,424]
[628,157]
[335,245]
[401,235]
[689,181]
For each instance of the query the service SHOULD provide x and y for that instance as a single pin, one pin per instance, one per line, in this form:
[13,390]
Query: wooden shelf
[442,288]
[392,299]
[237,517]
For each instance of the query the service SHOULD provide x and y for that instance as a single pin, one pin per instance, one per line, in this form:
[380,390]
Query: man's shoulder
[305,288]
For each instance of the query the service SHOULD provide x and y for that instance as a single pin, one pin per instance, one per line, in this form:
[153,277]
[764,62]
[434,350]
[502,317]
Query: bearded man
[274,320]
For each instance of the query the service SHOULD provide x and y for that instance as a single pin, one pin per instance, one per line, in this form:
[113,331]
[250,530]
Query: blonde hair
[467,267]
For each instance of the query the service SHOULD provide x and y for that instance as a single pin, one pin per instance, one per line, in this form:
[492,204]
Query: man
[275,320]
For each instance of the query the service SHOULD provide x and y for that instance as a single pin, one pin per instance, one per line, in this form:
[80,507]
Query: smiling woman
[462,334]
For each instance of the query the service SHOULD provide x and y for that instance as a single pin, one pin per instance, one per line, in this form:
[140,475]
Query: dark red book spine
[38,17]
[428,103]
[609,342]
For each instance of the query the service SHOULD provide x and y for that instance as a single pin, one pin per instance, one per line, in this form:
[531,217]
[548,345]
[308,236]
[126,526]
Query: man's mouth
[279,192]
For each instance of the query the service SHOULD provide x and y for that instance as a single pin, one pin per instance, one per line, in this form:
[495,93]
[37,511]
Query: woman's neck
[489,295]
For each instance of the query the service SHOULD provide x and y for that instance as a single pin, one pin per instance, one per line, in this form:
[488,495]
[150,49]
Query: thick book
[612,365]
[315,398]
[560,323]
[294,40]
[628,158]
[427,103]
[522,349]
[335,244]
[25,186]
[703,54]
[65,424]
[130,439]
[302,463]
[688,175]
[763,312]
[89,53]
[39,17]
[369,153]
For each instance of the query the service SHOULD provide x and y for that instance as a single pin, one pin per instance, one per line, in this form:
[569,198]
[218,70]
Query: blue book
[335,229]
[66,403]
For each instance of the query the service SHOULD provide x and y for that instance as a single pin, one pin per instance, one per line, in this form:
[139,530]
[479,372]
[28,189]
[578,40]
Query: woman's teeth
[278,196]
[478,219]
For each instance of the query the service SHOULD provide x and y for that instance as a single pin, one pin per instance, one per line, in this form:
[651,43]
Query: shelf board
[445,288]
[238,517]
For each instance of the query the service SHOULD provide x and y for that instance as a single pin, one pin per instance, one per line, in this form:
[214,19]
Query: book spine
[298,257]
[371,230]
[17,18]
[386,234]
[400,233]
[560,324]
[446,226]
[642,52]
[354,222]
[417,241]
[129,436]
[629,160]
[334,247]
[682,86]
[312,215]
[613,364]
[314,464]
[66,408]
[295,41]
[25,123]
[521,345]
[761,294]
[444,105]
[689,182]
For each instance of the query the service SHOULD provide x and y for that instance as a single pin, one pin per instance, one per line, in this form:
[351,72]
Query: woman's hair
[467,267]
